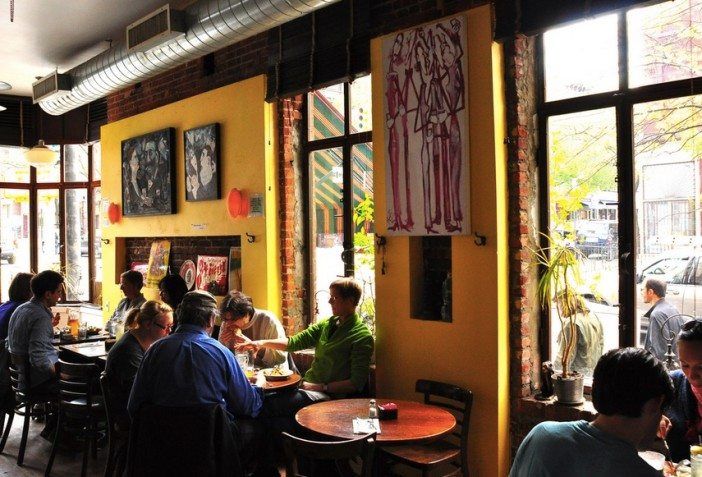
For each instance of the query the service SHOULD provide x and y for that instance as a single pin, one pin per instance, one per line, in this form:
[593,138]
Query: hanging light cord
[12,11]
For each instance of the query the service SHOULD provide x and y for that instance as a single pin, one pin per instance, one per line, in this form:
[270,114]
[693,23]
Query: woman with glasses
[685,425]
[147,324]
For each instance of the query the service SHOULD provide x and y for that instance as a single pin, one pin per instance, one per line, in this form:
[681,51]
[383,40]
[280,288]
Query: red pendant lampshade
[234,201]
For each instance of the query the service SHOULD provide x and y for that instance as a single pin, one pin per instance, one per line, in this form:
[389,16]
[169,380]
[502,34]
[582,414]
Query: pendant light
[40,155]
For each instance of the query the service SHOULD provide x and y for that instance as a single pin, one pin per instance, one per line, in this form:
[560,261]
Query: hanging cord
[87,124]
[12,11]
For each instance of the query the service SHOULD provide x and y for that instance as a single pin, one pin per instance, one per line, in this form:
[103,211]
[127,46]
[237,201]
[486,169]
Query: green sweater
[346,355]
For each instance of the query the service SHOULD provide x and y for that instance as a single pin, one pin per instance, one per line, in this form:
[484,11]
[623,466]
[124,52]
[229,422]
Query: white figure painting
[425,108]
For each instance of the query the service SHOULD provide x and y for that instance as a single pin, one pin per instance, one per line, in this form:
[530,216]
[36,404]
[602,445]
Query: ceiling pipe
[211,25]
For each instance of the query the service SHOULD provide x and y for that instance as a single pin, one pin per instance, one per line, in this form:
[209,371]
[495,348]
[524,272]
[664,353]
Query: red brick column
[294,265]
[521,89]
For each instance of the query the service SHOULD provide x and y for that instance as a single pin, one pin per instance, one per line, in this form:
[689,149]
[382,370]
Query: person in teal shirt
[343,348]
[630,388]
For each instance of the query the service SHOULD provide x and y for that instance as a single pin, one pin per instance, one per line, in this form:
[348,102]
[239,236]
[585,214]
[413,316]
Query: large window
[621,136]
[49,218]
[341,205]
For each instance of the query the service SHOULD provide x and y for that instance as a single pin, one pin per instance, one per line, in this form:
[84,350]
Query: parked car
[7,253]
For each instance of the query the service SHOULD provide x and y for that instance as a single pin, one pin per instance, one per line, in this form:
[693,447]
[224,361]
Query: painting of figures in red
[426,129]
[212,274]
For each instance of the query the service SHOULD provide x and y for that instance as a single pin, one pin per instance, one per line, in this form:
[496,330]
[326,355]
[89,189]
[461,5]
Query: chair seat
[424,455]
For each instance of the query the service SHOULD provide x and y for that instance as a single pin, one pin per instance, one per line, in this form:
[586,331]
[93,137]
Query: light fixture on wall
[237,203]
[39,155]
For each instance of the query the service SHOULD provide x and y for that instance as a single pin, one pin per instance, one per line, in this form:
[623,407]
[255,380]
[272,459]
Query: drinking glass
[82,331]
[243,360]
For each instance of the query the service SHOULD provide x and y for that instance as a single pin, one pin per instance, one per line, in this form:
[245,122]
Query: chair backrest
[458,401]
[193,441]
[110,404]
[7,399]
[78,386]
[19,369]
[295,447]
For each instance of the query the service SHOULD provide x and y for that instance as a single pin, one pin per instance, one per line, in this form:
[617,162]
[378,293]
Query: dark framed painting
[201,146]
[148,170]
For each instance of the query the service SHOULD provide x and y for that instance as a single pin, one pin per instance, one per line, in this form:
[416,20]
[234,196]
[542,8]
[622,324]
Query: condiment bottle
[373,410]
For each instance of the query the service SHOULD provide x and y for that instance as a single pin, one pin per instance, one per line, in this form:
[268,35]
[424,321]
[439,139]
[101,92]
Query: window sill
[552,411]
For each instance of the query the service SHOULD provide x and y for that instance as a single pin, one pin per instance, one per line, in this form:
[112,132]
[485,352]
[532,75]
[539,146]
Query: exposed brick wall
[520,70]
[294,265]
[231,64]
[138,249]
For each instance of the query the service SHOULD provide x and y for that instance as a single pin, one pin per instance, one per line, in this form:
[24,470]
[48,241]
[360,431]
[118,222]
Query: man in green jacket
[343,348]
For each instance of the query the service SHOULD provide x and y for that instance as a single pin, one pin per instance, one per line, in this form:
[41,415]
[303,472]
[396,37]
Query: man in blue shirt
[189,368]
[31,330]
[629,390]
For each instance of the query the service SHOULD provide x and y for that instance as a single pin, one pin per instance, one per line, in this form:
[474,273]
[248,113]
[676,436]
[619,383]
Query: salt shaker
[373,410]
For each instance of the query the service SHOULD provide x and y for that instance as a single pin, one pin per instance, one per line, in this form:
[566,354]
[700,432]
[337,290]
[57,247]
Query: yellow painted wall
[248,162]
[473,350]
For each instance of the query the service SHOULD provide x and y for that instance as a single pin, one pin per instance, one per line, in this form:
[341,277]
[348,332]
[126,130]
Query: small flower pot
[569,389]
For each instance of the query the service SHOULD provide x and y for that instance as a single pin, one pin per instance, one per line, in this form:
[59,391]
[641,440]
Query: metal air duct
[211,25]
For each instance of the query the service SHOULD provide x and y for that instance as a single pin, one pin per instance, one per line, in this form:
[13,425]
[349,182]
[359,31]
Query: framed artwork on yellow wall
[148,170]
[201,146]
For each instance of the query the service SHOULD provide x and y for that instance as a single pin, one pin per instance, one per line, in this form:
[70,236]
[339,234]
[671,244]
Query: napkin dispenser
[387,411]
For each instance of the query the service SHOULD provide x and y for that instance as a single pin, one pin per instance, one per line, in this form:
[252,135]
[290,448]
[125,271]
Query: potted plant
[558,285]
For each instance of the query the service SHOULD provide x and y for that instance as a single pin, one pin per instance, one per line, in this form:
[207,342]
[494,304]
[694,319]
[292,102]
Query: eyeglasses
[164,328]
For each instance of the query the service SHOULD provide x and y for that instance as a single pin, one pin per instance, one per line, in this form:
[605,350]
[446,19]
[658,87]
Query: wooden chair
[81,410]
[117,431]
[25,400]
[363,447]
[450,452]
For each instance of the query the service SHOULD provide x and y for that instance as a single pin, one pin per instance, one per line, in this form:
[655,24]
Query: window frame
[62,186]
[623,100]
[345,142]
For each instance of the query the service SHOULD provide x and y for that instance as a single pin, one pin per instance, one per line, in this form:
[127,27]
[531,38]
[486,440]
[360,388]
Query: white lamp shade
[40,155]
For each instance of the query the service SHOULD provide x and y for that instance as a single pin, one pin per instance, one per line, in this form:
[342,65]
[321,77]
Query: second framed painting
[201,146]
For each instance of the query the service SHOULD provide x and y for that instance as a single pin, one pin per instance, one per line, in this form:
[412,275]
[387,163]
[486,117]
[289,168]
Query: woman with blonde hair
[145,325]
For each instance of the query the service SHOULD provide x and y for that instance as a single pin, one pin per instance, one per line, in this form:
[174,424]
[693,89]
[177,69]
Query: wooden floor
[66,464]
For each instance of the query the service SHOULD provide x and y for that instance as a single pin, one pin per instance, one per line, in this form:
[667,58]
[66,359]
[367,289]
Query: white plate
[285,374]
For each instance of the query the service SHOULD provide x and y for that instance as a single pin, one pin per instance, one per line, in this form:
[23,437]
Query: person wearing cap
[190,368]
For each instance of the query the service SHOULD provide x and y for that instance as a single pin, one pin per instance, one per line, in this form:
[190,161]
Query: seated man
[30,332]
[189,368]
[241,323]
[343,349]
[131,283]
[629,390]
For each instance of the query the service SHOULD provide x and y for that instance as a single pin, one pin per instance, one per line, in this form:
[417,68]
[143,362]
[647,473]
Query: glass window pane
[77,246]
[49,242]
[668,148]
[75,163]
[50,173]
[364,221]
[583,200]
[361,117]
[14,166]
[327,222]
[665,42]
[14,236]
[581,59]
[97,244]
[97,161]
[326,112]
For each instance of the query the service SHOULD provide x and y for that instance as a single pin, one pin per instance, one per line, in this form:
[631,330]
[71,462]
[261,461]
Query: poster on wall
[235,268]
[141,267]
[201,146]
[148,170]
[426,129]
[212,274]
[158,262]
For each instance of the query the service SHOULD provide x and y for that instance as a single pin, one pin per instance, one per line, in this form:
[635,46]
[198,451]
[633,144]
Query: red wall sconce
[237,203]
[113,213]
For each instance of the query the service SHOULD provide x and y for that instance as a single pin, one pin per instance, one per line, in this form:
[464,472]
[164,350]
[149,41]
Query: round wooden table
[416,422]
